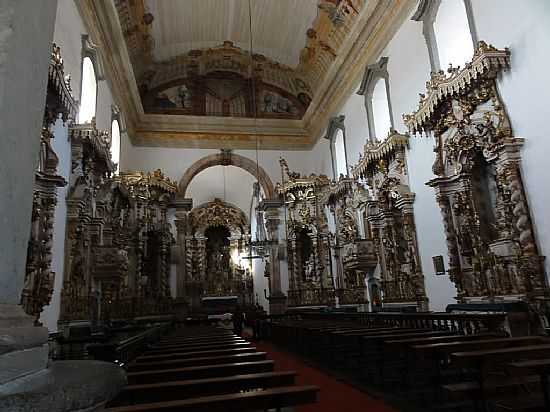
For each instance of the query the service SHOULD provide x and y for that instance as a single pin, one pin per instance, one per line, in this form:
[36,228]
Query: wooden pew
[194,354]
[287,396]
[214,346]
[372,351]
[208,372]
[178,390]
[202,361]
[434,359]
[168,345]
[345,346]
[491,383]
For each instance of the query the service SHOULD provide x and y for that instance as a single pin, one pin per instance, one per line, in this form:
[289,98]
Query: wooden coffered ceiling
[317,48]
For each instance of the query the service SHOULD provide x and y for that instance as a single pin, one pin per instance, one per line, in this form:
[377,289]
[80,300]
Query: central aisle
[334,395]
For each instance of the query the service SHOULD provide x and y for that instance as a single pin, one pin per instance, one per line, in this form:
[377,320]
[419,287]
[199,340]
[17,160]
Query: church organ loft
[363,184]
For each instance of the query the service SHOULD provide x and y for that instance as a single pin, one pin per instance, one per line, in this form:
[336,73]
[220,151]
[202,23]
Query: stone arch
[226,158]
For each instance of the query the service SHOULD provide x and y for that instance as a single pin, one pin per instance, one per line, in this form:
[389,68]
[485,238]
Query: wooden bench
[179,390]
[194,354]
[202,369]
[201,361]
[214,346]
[167,345]
[282,397]
[490,377]
[200,372]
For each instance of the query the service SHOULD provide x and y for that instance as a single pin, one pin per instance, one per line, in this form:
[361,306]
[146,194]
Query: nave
[362,184]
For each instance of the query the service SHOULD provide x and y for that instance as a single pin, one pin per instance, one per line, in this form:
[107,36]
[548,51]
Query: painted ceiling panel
[278,26]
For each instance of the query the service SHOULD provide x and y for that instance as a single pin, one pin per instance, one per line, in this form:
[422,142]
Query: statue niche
[308,244]
[214,232]
[218,266]
[390,221]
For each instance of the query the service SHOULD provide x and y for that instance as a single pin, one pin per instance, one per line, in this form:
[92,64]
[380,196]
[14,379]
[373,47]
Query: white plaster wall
[408,69]
[356,125]
[68,35]
[524,27]
[62,148]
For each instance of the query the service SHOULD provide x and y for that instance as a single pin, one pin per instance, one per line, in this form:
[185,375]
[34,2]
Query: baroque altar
[389,220]
[493,253]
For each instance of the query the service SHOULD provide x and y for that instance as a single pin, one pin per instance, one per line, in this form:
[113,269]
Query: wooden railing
[311,297]
[463,323]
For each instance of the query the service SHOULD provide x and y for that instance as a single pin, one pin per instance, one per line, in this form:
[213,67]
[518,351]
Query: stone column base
[65,386]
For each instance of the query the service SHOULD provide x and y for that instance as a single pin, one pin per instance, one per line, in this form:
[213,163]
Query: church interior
[274,205]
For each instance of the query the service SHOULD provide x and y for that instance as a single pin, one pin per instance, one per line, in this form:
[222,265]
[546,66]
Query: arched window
[88,92]
[375,88]
[380,110]
[340,154]
[115,143]
[449,31]
[336,134]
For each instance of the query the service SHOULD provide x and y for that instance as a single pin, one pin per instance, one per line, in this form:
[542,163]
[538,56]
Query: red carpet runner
[334,396]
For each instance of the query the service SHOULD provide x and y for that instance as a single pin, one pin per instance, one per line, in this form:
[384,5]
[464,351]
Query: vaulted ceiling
[169,61]
[278,26]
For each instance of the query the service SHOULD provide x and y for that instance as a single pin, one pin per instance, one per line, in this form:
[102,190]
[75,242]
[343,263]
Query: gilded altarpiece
[382,169]
[493,255]
[118,240]
[354,256]
[311,280]
[216,233]
[39,278]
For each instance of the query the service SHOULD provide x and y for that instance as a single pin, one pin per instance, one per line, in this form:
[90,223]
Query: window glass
[88,93]
[115,143]
[381,110]
[452,34]
[340,153]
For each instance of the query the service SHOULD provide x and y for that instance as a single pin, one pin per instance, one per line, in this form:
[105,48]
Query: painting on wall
[274,103]
[178,97]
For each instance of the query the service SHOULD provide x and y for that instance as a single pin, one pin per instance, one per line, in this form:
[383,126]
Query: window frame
[426,13]
[89,49]
[336,124]
[84,57]
[374,73]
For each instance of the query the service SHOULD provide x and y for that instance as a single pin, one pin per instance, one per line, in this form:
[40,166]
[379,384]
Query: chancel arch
[227,158]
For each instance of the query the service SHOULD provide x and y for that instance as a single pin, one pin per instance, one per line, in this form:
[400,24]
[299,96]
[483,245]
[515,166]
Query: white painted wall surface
[409,69]
[62,148]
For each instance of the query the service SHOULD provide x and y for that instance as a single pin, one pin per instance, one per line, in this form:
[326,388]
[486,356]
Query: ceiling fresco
[183,75]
